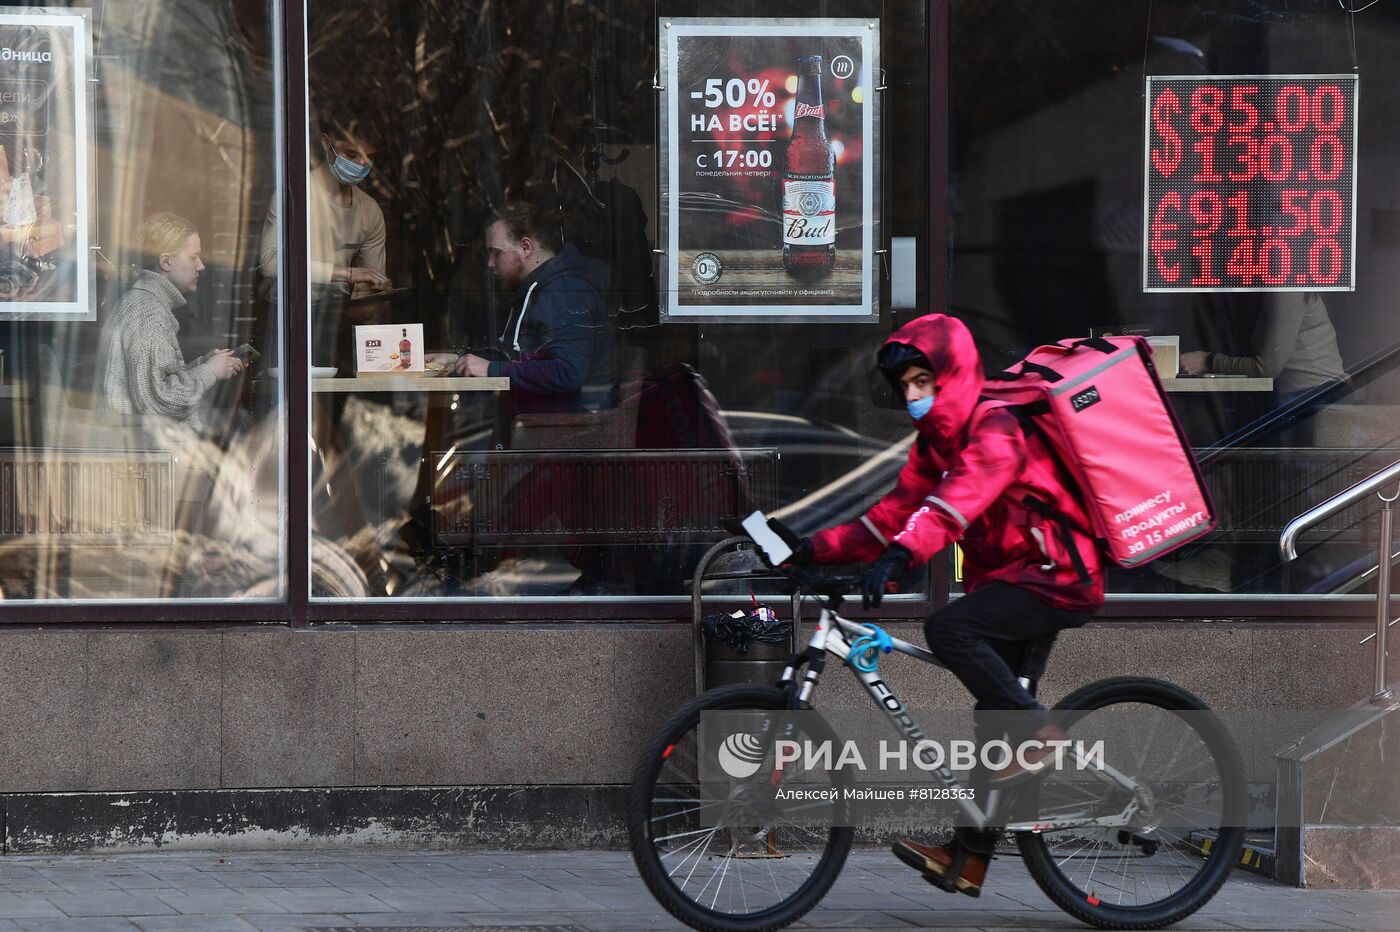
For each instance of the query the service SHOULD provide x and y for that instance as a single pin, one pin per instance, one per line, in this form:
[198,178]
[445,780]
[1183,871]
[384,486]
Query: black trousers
[982,638]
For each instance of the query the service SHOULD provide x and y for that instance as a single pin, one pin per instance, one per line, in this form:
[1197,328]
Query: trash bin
[736,642]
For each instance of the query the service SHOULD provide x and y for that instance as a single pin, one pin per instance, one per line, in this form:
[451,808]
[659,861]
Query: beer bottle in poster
[809,181]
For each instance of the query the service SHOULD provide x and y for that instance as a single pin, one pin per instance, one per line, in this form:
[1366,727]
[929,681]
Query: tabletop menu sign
[389,349]
[46,259]
[1250,183]
[770,169]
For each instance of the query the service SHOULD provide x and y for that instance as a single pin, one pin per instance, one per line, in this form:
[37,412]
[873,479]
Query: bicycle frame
[834,635]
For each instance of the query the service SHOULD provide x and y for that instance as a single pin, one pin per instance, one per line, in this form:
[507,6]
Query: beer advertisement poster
[46,259]
[769,168]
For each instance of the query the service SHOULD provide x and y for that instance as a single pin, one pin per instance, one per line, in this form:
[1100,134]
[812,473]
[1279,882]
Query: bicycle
[1164,841]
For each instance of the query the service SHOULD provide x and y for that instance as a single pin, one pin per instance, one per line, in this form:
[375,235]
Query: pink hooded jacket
[968,479]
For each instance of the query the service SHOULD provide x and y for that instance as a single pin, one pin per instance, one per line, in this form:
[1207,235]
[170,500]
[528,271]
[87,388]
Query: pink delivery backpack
[1102,411]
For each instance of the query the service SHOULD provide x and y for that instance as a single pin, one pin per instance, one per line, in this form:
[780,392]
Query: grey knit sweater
[146,370]
[1294,344]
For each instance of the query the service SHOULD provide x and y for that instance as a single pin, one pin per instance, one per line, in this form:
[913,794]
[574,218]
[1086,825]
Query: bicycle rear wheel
[713,856]
[1188,832]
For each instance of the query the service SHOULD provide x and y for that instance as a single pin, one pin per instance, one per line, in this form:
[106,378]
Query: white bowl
[323,372]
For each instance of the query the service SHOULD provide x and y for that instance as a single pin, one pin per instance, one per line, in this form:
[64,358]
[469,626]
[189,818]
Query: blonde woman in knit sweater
[146,370]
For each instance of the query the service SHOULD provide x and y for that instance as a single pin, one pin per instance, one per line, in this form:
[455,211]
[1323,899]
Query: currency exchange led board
[1250,183]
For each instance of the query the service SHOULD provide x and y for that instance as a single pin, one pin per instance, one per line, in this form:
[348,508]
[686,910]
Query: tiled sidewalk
[574,890]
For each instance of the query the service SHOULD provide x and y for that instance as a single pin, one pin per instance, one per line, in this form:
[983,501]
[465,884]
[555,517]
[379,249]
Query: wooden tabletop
[1218,384]
[402,383]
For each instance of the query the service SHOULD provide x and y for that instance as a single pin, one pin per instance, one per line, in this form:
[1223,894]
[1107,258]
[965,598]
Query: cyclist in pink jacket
[976,477]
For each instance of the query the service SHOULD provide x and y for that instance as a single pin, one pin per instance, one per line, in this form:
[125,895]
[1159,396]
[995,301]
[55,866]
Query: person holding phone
[146,370]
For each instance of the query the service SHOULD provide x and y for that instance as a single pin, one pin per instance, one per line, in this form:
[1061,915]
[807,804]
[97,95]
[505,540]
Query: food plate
[323,372]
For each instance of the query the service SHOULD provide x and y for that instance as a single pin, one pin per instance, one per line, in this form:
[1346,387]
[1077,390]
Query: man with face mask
[347,241]
[970,478]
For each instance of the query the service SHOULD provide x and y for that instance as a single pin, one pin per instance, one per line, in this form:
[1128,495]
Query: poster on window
[770,169]
[46,265]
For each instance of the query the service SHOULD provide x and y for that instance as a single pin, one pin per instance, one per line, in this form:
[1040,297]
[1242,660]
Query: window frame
[298,611]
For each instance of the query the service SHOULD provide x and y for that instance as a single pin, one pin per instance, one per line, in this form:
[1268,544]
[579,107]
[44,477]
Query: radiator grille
[598,496]
[76,496]
[1259,491]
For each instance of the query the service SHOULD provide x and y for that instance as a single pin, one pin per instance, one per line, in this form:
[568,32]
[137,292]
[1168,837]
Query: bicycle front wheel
[1190,807]
[713,855]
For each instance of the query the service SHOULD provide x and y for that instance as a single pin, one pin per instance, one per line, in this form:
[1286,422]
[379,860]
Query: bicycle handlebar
[833,587]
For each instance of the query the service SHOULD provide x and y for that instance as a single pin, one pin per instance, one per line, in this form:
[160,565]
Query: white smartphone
[756,525]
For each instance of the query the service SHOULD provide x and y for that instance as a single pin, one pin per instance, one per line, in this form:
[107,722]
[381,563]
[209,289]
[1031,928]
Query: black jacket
[562,346]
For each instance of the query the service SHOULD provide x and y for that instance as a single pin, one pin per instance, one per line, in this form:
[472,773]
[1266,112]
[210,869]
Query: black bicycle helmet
[894,358]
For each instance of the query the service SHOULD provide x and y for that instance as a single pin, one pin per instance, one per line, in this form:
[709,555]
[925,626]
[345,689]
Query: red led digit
[1293,202]
[1207,276]
[1241,262]
[1333,200]
[1160,244]
[1326,149]
[1334,262]
[1239,102]
[1167,158]
[1292,110]
[1205,148]
[1206,101]
[1207,211]
[1275,261]
[1239,201]
[1328,98]
[1245,150]
[1276,158]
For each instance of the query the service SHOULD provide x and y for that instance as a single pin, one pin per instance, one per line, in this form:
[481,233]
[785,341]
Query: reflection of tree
[472,102]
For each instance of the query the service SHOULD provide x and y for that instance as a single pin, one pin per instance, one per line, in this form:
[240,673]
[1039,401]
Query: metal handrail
[1288,539]
[1373,484]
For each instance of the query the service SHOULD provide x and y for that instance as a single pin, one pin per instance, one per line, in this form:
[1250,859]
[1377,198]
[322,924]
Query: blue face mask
[346,171]
[917,409]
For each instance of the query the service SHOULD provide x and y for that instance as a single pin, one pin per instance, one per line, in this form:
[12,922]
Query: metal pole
[1383,593]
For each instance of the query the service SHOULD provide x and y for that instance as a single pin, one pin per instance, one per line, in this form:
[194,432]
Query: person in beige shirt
[347,240]
[1294,344]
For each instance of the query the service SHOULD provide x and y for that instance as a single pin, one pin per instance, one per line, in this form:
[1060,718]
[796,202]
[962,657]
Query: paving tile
[243,880]
[183,924]
[300,922]
[114,903]
[324,900]
[94,924]
[218,902]
[27,905]
[513,894]
[436,899]
[298,879]
[851,919]
[425,920]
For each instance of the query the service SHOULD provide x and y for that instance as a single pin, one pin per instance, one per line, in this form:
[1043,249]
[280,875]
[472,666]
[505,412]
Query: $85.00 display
[1250,183]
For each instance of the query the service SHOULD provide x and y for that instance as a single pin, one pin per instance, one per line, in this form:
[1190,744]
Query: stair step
[1257,856]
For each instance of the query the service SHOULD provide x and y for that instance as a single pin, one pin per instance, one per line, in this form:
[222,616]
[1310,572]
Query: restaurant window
[1093,191]
[493,419]
[141,425]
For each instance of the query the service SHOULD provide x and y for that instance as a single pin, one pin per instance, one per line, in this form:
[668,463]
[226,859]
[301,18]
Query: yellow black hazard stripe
[1252,859]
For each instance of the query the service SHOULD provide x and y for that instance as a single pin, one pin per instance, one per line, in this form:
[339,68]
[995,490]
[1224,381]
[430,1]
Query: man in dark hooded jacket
[561,345]
[1026,575]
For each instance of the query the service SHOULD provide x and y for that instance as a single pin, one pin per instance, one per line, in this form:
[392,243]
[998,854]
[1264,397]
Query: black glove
[802,553]
[891,565]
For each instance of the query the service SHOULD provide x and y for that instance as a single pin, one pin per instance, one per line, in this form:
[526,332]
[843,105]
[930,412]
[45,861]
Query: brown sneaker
[935,863]
[1036,760]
